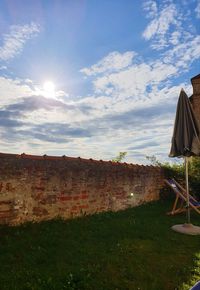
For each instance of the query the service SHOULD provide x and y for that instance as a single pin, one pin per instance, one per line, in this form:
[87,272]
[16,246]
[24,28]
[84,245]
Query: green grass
[132,249]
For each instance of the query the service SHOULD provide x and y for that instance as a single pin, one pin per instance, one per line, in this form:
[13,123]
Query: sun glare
[49,89]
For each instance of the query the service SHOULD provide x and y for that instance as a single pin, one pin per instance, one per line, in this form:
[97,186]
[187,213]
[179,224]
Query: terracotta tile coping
[67,158]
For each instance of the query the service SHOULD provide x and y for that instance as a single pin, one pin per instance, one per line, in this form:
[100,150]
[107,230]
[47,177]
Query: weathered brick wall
[35,188]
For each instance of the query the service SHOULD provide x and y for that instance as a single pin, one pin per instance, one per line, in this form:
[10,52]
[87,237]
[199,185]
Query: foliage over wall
[177,170]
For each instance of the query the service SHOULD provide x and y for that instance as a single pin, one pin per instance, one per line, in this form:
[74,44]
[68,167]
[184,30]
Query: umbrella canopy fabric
[185,143]
[185,140]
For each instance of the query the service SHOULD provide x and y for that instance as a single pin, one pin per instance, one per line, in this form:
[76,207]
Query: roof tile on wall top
[78,159]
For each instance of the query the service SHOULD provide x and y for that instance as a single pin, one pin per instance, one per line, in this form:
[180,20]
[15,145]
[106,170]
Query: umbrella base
[188,229]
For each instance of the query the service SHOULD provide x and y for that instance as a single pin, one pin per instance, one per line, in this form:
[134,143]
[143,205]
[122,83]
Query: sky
[94,78]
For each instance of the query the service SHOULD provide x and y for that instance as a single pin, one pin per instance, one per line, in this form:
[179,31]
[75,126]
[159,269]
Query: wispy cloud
[151,8]
[3,67]
[197,9]
[134,80]
[160,25]
[15,39]
[169,25]
[114,61]
[184,54]
[12,90]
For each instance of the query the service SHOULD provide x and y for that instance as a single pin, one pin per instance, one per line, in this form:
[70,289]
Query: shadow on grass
[131,249]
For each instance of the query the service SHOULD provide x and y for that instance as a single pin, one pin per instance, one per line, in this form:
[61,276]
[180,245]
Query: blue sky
[115,70]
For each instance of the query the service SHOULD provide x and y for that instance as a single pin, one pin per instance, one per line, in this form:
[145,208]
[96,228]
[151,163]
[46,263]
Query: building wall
[195,98]
[196,106]
[36,188]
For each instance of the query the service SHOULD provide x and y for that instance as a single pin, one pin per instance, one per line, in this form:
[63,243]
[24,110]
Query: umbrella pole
[187,228]
[187,190]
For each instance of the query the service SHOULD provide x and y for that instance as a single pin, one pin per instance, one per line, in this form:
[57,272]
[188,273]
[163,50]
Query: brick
[84,192]
[64,197]
[1,186]
[83,206]
[38,211]
[6,214]
[74,207]
[41,188]
[5,207]
[2,202]
[101,208]
[92,201]
[76,197]
[84,196]
[74,213]
[9,187]
[49,199]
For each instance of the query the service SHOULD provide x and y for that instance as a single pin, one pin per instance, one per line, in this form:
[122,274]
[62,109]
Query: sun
[49,89]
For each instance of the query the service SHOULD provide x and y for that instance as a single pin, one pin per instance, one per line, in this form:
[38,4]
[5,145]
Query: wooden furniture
[181,198]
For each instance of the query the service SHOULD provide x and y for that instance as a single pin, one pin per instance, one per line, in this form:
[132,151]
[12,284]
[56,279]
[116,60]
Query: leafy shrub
[177,171]
[166,193]
[119,157]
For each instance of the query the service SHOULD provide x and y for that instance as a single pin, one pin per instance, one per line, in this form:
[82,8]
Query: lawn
[131,249]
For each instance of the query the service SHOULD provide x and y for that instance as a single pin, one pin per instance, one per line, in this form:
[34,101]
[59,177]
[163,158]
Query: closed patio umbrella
[185,143]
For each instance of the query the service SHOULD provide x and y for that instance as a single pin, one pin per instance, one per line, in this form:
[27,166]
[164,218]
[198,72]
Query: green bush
[166,193]
[177,171]
[194,176]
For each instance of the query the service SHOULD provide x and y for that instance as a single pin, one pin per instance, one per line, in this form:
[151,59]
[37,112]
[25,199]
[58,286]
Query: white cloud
[114,61]
[14,41]
[175,37]
[151,8]
[161,24]
[3,67]
[134,80]
[170,25]
[11,90]
[14,90]
[197,9]
[143,84]
[184,54]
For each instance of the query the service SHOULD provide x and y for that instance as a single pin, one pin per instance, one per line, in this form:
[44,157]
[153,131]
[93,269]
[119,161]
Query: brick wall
[35,188]
[195,98]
